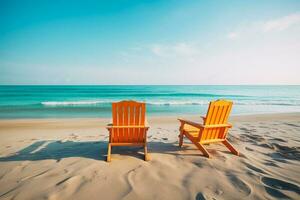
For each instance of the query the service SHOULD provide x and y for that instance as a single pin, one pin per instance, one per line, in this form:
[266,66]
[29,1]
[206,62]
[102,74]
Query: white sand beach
[65,159]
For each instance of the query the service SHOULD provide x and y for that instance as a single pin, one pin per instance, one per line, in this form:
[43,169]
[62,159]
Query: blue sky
[150,42]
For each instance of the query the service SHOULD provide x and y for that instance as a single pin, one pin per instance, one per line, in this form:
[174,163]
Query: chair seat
[189,128]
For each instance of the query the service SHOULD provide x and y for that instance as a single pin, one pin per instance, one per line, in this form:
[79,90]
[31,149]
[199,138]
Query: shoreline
[153,117]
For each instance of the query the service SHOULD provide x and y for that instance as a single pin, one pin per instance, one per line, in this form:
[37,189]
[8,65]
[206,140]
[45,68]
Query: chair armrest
[201,126]
[218,126]
[183,121]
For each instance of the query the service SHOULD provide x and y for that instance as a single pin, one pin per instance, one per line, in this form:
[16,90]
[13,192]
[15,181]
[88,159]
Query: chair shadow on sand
[97,150]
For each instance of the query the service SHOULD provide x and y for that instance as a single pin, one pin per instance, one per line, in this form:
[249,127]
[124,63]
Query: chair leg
[201,148]
[180,139]
[231,148]
[108,159]
[146,153]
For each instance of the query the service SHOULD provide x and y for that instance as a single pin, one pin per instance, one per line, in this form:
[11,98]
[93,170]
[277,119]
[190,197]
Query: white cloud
[282,23]
[255,28]
[233,35]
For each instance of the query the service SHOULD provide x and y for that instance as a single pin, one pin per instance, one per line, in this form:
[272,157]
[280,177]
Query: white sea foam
[66,103]
[158,103]
[169,103]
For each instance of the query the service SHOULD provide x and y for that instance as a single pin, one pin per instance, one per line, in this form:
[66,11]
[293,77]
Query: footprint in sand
[253,168]
[246,130]
[278,139]
[248,149]
[265,145]
[240,185]
[253,138]
[276,193]
[294,125]
[271,163]
[200,196]
[280,185]
[284,148]
[219,192]
[292,153]
[233,139]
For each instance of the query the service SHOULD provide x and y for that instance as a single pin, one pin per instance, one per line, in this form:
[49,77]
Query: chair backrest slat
[142,122]
[114,121]
[131,132]
[137,115]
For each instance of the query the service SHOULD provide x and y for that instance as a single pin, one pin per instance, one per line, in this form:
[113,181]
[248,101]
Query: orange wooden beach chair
[129,126]
[214,129]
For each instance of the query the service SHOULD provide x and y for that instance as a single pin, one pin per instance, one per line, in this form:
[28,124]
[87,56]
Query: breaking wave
[166,103]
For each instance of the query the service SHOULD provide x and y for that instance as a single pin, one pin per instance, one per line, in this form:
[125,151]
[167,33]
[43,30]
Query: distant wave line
[162,103]
[117,94]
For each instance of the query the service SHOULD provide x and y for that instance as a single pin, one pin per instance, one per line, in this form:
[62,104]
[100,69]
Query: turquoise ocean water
[95,101]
